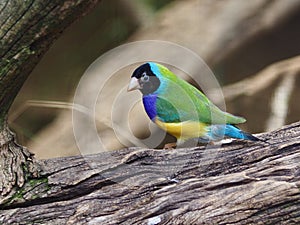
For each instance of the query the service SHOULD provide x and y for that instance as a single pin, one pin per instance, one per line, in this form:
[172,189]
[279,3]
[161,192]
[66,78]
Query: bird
[181,109]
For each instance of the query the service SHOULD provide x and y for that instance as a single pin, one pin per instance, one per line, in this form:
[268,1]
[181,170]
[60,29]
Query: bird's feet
[169,146]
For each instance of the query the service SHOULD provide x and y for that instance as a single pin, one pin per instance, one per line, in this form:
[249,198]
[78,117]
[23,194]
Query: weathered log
[236,183]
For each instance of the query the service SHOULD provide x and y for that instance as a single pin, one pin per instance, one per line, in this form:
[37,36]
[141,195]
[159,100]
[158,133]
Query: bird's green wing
[209,112]
[180,101]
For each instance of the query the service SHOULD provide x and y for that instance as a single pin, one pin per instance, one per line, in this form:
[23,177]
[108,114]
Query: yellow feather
[183,130]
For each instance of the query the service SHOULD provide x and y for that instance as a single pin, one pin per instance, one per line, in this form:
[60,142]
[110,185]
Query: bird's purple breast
[149,102]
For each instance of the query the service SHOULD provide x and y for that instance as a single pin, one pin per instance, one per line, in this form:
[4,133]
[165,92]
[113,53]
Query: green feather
[177,100]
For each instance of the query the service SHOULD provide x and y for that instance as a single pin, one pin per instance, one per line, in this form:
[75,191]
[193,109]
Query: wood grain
[236,183]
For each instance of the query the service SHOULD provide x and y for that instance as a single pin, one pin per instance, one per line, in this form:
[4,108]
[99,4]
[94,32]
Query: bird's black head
[144,79]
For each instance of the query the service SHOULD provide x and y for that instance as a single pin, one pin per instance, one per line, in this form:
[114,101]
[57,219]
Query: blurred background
[251,46]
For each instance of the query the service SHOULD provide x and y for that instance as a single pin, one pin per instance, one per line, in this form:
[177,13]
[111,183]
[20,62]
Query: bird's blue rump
[217,132]
[234,132]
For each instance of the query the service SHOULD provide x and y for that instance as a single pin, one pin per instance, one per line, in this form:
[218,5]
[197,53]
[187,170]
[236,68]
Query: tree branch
[27,29]
[237,183]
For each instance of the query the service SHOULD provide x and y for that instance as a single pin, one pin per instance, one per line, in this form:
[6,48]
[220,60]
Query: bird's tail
[234,132]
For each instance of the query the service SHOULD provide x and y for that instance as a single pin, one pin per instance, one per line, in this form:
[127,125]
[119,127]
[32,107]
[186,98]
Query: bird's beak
[134,84]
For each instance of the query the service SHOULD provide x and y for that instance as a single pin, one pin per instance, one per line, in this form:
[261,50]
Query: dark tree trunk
[237,183]
[27,29]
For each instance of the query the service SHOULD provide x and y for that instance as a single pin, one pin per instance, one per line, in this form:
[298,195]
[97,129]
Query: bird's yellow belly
[183,130]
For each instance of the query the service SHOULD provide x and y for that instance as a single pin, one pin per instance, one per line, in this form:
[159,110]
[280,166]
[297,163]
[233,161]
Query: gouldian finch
[181,109]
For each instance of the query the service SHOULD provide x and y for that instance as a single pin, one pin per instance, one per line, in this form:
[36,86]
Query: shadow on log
[236,183]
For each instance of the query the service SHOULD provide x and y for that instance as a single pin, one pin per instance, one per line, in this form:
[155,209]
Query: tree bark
[27,29]
[236,183]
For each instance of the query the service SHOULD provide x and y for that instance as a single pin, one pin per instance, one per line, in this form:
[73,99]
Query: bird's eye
[145,77]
